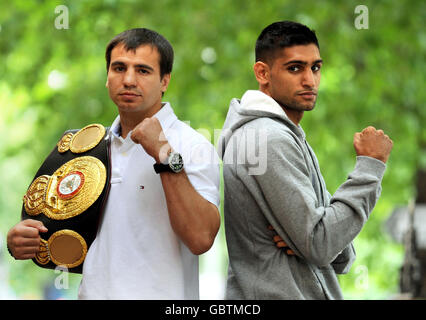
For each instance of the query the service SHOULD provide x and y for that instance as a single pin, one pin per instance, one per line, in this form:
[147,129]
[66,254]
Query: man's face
[134,81]
[294,77]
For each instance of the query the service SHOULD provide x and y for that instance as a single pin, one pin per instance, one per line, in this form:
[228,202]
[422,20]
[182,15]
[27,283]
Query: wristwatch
[174,164]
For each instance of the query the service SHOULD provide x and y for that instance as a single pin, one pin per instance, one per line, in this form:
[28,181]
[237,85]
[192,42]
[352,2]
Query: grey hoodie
[272,177]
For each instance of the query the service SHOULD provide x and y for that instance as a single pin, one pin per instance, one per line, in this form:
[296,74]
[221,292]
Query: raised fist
[149,134]
[373,143]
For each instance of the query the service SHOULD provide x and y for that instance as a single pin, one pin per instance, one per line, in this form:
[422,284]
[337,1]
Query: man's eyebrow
[142,66]
[117,63]
[301,62]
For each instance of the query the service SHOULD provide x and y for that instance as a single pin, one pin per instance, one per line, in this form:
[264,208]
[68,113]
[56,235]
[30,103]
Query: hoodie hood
[253,104]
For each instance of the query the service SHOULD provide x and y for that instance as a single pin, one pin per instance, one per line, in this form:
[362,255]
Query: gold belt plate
[64,248]
[71,189]
[84,140]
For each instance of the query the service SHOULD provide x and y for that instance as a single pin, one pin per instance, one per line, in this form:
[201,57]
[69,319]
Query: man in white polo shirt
[154,224]
[162,210]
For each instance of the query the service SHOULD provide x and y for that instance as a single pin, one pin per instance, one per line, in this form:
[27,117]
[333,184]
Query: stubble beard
[294,105]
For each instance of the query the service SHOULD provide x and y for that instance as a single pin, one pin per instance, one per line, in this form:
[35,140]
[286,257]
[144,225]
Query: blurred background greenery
[53,79]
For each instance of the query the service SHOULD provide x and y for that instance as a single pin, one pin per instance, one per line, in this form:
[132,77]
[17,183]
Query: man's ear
[262,72]
[165,82]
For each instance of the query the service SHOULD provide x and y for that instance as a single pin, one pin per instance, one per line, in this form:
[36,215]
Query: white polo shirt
[136,254]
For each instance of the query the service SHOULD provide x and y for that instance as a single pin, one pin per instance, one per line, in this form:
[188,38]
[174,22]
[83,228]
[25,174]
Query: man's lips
[307,94]
[129,94]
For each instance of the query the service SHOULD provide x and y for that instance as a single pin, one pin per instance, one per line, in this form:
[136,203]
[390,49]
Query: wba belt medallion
[71,189]
[68,195]
[70,185]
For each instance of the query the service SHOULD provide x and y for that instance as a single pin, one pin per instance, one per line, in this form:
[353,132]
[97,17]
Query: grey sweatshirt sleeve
[316,233]
[346,258]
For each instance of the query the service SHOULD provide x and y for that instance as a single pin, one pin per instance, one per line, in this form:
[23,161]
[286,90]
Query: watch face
[175,162]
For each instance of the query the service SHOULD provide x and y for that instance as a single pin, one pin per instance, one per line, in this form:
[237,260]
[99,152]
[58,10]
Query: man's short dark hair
[134,38]
[280,35]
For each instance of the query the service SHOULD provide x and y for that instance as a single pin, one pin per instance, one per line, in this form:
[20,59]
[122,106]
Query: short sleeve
[201,162]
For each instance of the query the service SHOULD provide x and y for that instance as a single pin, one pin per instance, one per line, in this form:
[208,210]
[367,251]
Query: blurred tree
[54,79]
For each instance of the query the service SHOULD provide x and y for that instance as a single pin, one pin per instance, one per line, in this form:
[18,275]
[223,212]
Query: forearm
[195,220]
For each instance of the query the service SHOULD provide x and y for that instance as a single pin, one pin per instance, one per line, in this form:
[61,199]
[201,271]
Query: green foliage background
[370,77]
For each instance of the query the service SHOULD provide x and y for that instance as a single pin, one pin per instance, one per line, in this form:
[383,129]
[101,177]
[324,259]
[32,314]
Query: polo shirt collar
[166,116]
[116,127]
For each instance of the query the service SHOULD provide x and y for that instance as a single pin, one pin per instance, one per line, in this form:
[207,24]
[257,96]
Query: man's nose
[308,79]
[129,78]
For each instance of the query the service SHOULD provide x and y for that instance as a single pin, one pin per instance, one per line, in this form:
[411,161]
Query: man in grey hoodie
[275,195]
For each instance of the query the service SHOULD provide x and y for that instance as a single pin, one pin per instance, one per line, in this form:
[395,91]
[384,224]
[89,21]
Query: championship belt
[68,194]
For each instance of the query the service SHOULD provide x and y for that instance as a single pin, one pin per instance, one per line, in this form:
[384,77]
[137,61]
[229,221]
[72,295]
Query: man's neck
[294,115]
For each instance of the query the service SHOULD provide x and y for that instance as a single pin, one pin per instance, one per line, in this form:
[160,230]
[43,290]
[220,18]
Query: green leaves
[53,79]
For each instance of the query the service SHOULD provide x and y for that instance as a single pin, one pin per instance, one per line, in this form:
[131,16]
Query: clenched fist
[149,134]
[23,239]
[373,143]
